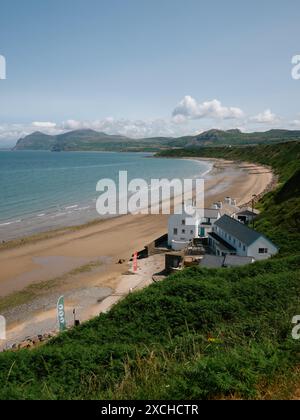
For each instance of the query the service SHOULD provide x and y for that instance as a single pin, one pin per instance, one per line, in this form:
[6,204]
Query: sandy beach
[82,264]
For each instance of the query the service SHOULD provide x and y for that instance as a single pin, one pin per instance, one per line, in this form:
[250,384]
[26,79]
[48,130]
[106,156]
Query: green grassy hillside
[198,334]
[283,157]
[280,219]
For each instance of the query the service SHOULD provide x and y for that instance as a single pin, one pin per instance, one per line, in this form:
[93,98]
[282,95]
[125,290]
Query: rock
[25,345]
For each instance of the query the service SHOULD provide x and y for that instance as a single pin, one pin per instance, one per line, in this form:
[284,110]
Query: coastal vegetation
[280,217]
[284,158]
[199,334]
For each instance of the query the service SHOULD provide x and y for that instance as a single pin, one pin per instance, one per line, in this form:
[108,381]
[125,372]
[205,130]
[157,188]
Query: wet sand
[105,242]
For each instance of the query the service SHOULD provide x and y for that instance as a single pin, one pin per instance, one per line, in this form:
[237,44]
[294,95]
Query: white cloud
[189,108]
[43,124]
[126,127]
[72,125]
[265,117]
[185,121]
[295,124]
[9,133]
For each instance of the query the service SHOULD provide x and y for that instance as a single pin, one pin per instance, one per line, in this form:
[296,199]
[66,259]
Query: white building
[232,237]
[247,215]
[183,228]
[207,222]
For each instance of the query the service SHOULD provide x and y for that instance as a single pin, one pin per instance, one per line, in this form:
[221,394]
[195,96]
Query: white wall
[262,243]
[239,246]
[208,228]
[253,249]
[190,230]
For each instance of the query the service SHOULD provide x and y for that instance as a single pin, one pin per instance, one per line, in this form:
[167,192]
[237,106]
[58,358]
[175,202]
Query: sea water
[40,191]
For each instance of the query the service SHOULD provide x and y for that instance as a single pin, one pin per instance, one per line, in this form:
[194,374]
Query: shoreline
[69,228]
[77,207]
[38,261]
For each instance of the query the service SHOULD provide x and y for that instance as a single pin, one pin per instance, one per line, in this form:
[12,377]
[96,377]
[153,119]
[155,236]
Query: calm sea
[44,190]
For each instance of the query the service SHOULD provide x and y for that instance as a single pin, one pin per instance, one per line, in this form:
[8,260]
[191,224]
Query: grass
[280,217]
[200,334]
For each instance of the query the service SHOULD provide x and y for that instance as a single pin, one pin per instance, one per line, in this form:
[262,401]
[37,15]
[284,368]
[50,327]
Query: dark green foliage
[163,334]
[283,157]
[280,218]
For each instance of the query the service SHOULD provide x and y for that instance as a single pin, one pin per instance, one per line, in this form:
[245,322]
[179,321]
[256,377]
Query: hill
[36,141]
[200,334]
[281,208]
[73,140]
[236,137]
[89,140]
[283,157]
[85,140]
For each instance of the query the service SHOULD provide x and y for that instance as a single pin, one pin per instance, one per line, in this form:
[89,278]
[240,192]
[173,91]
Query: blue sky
[148,67]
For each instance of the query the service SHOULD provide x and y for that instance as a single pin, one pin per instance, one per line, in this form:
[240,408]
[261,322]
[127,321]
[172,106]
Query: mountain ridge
[92,140]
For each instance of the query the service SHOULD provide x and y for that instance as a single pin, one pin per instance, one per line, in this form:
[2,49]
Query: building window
[263,250]
[175,231]
[183,222]
[183,231]
[192,232]
[244,248]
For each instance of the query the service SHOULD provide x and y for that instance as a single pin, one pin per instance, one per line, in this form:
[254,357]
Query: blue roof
[239,230]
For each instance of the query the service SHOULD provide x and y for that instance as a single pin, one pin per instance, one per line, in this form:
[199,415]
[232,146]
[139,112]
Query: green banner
[61,316]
